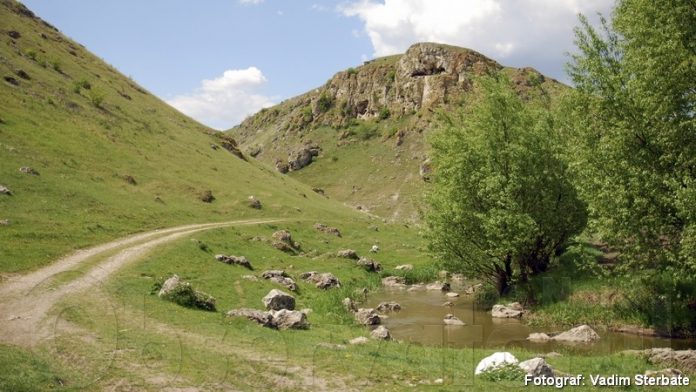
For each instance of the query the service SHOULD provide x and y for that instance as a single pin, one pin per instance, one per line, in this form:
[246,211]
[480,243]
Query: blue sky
[221,60]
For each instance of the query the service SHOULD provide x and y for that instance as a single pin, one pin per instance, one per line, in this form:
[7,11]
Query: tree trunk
[504,275]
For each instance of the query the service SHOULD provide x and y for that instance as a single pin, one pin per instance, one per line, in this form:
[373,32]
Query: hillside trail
[26,300]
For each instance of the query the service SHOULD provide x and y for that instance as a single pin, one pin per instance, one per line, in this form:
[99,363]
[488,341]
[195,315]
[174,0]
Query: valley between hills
[143,251]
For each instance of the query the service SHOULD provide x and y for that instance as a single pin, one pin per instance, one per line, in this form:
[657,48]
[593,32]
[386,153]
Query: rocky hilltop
[361,137]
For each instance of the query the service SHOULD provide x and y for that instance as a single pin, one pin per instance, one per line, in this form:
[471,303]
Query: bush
[384,113]
[665,301]
[351,71]
[97,98]
[56,66]
[419,274]
[324,103]
[391,75]
[486,297]
[81,84]
[31,53]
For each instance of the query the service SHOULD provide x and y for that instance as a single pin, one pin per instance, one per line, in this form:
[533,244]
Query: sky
[220,61]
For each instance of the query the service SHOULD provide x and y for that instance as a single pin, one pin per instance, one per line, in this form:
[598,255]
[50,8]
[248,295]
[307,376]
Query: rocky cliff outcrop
[367,126]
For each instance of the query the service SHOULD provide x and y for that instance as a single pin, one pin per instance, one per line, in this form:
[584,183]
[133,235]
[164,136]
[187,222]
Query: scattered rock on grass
[495,361]
[282,166]
[683,359]
[536,367]
[263,318]
[289,319]
[404,267]
[359,340]
[374,249]
[394,282]
[282,240]
[348,254]
[349,305]
[182,293]
[280,319]
[369,264]
[367,316]
[452,295]
[4,190]
[277,300]
[325,280]
[11,80]
[28,170]
[207,197]
[448,304]
[381,333]
[238,260]
[14,34]
[280,277]
[22,74]
[254,202]
[130,179]
[327,229]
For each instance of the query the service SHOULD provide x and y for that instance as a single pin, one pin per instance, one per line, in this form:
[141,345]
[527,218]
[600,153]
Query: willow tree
[501,204]
[633,117]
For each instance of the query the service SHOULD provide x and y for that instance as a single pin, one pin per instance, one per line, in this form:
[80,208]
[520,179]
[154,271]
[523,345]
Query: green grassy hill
[111,158]
[372,124]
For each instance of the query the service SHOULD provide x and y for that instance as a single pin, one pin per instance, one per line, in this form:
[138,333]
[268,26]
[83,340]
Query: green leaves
[633,128]
[501,198]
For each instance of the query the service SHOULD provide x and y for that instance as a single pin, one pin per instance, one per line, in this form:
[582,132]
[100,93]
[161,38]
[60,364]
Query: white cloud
[225,101]
[250,2]
[519,32]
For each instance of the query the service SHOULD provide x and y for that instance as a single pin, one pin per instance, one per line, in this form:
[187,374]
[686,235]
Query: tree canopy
[501,203]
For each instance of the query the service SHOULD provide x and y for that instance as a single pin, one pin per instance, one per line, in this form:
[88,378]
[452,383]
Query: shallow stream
[420,321]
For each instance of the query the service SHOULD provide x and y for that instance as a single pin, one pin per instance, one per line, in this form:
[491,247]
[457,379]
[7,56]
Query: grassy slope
[83,151]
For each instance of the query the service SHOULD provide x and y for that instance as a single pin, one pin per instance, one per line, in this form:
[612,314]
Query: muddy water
[420,321]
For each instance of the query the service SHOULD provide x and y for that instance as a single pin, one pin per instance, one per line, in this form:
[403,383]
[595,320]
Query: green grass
[85,143]
[204,348]
[577,290]
[23,370]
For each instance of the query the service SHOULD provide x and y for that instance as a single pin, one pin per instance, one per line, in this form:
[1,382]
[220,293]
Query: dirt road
[26,300]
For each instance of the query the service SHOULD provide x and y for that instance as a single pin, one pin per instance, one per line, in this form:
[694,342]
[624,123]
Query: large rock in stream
[503,311]
[581,334]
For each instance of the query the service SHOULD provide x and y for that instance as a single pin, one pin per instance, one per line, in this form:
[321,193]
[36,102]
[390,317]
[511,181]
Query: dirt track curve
[26,300]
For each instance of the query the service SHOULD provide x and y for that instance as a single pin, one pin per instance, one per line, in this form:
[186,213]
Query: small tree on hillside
[501,203]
